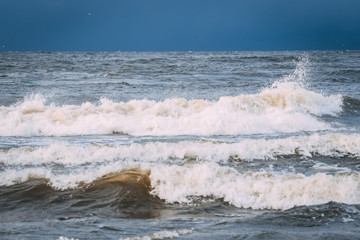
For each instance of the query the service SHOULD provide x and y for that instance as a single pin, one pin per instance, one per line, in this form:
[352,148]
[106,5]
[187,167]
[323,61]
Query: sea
[180,145]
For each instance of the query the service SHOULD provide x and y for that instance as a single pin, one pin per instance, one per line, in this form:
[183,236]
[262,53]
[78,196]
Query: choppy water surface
[189,145]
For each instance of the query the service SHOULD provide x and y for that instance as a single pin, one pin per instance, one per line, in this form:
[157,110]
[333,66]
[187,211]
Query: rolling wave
[256,190]
[63,154]
[187,183]
[284,107]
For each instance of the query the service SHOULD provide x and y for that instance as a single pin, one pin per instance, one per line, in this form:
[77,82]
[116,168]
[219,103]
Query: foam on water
[332,145]
[284,107]
[65,238]
[256,190]
[161,235]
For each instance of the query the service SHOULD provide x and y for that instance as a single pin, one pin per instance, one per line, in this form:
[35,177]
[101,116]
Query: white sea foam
[333,145]
[65,238]
[256,190]
[284,107]
[161,235]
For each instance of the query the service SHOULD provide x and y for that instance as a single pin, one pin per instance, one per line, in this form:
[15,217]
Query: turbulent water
[188,145]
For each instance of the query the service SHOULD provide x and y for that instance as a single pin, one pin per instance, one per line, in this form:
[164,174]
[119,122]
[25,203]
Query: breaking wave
[256,190]
[282,108]
[189,182]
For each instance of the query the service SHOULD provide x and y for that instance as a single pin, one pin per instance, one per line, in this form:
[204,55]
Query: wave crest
[331,145]
[256,190]
[284,107]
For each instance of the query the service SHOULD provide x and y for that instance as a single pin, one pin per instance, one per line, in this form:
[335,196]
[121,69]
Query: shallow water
[244,145]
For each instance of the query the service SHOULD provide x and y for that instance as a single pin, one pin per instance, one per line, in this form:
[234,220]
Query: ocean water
[180,145]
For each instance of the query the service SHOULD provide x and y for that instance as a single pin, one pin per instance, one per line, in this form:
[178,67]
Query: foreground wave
[184,184]
[256,190]
[124,194]
[238,173]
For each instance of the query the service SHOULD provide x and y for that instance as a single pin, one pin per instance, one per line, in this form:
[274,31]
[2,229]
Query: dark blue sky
[178,25]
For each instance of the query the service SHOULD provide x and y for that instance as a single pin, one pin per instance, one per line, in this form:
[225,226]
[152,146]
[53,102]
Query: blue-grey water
[183,145]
